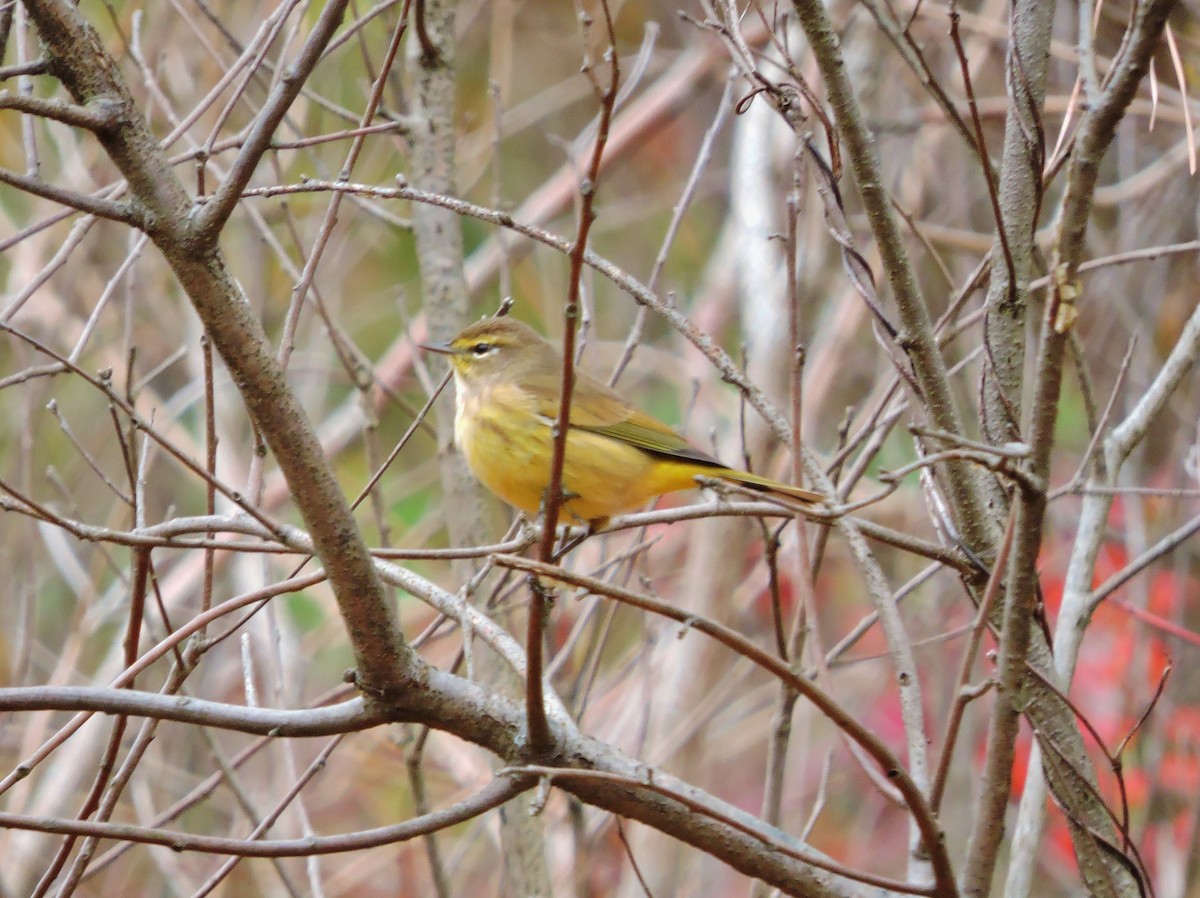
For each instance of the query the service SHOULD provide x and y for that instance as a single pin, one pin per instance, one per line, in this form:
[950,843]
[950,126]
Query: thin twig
[502,789]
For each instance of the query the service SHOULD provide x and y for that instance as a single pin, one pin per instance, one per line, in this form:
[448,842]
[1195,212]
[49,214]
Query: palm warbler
[509,380]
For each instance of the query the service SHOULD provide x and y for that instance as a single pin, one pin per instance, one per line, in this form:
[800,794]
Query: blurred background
[693,201]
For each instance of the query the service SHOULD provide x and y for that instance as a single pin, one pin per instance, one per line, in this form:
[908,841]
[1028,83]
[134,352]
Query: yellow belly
[509,448]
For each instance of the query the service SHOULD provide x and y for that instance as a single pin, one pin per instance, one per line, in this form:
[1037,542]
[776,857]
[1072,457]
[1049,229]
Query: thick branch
[1020,202]
[1088,820]
[475,714]
[1079,601]
[85,67]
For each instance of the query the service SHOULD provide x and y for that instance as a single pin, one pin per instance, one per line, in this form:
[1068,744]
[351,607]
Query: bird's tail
[766,485]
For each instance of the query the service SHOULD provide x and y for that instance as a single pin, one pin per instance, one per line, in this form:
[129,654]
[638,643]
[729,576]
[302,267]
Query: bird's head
[495,349]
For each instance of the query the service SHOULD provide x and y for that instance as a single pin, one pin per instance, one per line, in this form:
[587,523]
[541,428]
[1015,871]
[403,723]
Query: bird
[508,381]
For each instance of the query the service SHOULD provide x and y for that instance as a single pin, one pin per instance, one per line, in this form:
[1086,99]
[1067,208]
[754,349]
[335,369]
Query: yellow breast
[499,434]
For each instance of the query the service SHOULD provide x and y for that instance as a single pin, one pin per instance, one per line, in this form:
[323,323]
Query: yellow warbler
[509,379]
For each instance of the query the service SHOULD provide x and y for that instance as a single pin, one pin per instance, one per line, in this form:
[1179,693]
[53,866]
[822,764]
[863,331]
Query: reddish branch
[535,704]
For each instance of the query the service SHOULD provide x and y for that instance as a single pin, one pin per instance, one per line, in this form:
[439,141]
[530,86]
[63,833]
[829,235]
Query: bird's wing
[605,413]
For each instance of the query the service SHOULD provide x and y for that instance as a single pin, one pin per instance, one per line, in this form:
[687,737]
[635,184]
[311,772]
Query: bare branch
[80,60]
[491,796]
[97,118]
[212,217]
[1096,131]
[919,341]
[347,717]
[934,839]
[126,213]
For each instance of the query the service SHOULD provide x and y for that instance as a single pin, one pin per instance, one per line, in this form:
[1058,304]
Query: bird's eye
[481,349]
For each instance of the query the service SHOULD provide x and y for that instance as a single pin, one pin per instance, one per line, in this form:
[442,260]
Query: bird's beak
[439,348]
